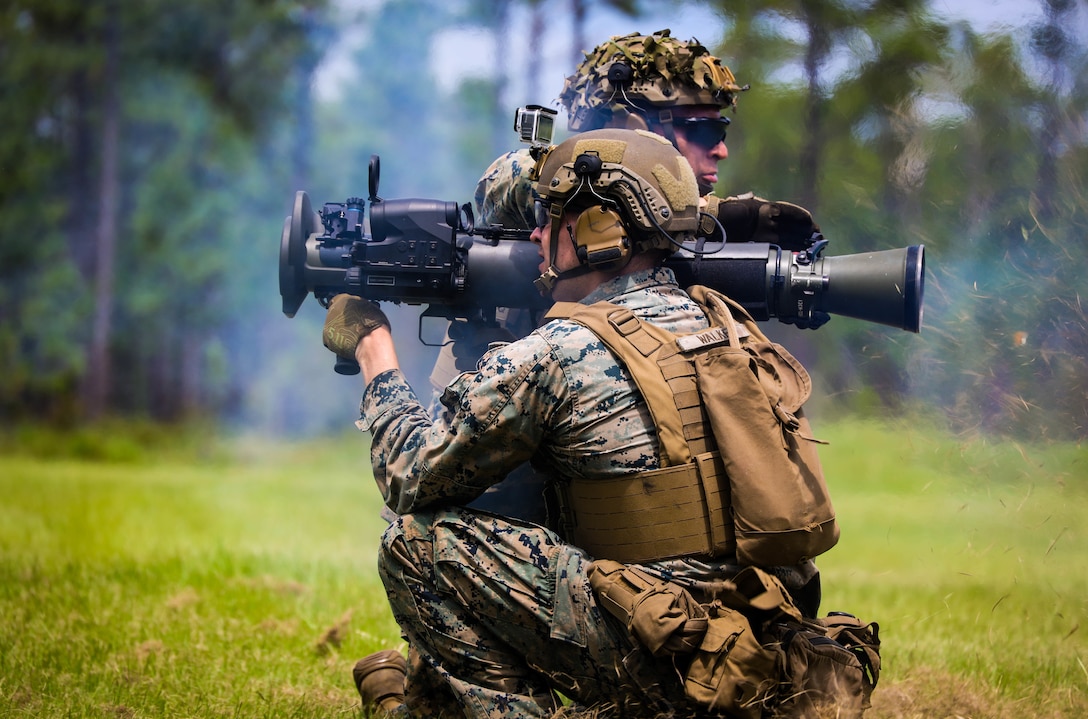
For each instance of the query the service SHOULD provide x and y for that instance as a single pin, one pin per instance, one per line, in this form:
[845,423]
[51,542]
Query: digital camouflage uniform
[504,194]
[502,610]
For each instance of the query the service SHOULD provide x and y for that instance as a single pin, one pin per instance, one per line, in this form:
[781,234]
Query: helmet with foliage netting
[636,173]
[642,73]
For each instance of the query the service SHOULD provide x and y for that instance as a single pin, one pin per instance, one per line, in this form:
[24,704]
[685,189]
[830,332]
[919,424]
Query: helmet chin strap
[664,120]
[636,118]
[547,281]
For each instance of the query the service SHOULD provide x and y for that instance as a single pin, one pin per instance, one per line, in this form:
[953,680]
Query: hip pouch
[747,651]
[715,645]
[829,666]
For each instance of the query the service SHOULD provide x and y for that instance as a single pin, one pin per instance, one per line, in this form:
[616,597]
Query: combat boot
[379,678]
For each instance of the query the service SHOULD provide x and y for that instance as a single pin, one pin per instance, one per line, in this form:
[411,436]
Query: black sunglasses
[704,131]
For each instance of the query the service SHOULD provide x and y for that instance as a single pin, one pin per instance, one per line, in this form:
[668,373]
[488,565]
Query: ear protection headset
[599,236]
[621,202]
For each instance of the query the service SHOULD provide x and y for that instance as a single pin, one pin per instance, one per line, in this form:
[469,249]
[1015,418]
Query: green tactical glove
[349,320]
[748,218]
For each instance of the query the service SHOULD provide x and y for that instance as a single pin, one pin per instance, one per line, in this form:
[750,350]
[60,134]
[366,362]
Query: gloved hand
[349,319]
[747,218]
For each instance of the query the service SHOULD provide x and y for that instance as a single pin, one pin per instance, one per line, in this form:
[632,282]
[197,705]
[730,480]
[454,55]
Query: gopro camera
[534,124]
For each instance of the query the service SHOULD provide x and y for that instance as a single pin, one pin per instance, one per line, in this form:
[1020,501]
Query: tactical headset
[635,192]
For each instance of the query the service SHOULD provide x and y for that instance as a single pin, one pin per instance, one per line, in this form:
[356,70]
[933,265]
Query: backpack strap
[680,509]
[660,364]
[635,343]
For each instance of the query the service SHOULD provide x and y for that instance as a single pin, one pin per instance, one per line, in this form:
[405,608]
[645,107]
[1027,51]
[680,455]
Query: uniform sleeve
[494,420]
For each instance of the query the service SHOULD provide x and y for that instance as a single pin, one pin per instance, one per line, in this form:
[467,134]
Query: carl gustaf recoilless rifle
[429,252]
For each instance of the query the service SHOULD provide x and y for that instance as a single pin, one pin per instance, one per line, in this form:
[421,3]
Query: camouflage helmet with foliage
[644,72]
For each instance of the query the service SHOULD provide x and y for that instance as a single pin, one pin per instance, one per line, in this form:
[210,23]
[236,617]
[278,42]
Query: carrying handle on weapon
[343,365]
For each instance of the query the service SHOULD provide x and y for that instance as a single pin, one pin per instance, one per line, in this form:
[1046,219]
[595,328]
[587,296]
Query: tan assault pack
[740,473]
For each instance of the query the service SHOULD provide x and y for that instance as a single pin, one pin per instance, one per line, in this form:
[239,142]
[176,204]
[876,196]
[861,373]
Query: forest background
[152,150]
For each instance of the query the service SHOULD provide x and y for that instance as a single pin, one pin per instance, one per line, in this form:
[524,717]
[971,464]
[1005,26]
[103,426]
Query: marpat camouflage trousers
[501,613]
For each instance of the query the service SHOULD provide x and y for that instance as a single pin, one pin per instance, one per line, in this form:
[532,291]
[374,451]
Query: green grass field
[151,577]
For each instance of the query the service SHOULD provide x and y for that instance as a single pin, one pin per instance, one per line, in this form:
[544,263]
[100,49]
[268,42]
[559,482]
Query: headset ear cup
[601,238]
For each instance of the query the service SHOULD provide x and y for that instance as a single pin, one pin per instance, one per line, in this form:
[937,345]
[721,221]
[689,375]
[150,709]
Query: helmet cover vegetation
[642,73]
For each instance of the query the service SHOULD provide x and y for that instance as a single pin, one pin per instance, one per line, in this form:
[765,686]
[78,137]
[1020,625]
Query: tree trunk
[82,217]
[536,41]
[190,380]
[502,32]
[578,33]
[1052,44]
[97,388]
[811,151]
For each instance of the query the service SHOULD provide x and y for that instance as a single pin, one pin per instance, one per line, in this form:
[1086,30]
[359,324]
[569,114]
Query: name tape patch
[710,338]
